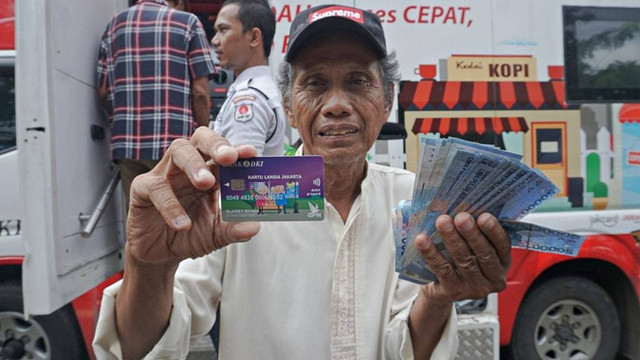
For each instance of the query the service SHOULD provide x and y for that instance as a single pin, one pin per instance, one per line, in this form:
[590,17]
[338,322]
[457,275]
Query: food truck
[487,71]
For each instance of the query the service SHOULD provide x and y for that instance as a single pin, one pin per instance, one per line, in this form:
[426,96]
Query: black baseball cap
[322,18]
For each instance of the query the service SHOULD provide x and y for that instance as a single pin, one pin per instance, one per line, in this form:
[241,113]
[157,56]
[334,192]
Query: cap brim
[332,24]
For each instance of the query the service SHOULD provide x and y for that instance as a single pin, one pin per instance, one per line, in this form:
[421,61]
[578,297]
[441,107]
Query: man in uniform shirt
[298,290]
[252,113]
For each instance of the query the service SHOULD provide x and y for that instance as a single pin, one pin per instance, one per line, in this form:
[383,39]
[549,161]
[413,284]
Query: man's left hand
[481,254]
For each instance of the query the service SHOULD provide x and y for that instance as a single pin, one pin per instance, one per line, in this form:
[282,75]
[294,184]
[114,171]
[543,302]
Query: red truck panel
[620,250]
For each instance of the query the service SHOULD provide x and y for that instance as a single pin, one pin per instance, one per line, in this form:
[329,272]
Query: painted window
[549,146]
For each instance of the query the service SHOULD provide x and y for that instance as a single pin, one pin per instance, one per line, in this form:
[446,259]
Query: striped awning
[462,126]
[629,113]
[482,95]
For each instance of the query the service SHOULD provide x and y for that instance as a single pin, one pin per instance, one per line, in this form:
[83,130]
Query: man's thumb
[242,231]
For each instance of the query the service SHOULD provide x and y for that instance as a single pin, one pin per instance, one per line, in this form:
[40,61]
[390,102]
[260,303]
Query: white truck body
[62,170]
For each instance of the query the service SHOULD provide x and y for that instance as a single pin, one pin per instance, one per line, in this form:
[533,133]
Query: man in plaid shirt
[153,70]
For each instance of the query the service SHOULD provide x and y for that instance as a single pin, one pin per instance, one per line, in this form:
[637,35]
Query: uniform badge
[247,97]
[244,112]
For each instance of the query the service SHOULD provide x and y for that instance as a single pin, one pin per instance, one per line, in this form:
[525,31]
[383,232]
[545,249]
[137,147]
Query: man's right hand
[174,212]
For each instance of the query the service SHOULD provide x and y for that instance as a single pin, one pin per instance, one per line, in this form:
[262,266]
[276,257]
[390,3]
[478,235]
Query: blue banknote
[539,238]
[456,176]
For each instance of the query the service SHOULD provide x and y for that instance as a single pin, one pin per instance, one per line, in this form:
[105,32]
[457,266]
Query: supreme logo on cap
[345,12]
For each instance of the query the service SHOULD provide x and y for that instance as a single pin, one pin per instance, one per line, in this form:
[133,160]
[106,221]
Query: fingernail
[181,221]
[489,223]
[204,174]
[223,148]
[423,243]
[446,226]
[467,224]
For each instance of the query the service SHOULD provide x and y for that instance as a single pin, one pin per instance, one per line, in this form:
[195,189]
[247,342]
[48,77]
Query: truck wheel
[54,336]
[566,318]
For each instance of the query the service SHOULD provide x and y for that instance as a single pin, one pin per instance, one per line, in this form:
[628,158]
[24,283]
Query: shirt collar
[252,72]
[366,180]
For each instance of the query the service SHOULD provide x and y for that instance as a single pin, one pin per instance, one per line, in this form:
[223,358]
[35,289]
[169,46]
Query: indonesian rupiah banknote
[455,176]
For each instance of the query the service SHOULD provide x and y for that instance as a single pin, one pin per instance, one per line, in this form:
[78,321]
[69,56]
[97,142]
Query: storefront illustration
[508,107]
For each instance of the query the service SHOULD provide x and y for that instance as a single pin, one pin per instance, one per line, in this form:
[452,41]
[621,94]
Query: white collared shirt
[299,290]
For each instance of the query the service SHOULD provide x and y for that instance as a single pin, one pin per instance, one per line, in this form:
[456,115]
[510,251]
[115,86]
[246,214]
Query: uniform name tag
[273,188]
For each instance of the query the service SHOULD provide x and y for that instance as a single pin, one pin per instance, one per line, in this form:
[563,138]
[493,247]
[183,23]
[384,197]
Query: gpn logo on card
[314,211]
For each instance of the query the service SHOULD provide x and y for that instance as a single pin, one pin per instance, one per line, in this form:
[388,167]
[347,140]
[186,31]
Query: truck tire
[566,318]
[55,336]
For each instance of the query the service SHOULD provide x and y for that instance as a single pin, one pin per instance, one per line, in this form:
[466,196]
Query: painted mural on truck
[506,70]
[591,151]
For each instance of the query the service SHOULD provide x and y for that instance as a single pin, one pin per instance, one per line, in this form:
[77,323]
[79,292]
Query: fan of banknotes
[455,176]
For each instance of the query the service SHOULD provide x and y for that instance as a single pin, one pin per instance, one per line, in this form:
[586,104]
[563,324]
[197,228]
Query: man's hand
[481,253]
[174,211]
[200,101]
[102,95]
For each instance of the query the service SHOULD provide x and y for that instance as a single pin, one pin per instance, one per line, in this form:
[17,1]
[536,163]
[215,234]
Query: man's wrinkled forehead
[326,40]
[335,55]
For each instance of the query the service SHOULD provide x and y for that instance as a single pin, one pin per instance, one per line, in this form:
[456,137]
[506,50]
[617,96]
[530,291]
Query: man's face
[337,99]
[231,44]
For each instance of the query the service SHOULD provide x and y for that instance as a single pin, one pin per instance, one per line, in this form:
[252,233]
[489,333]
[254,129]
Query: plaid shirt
[148,55]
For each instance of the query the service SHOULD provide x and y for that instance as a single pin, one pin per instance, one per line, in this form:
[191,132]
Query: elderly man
[321,290]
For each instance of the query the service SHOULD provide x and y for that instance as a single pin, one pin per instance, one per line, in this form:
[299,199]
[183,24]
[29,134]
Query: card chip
[237,185]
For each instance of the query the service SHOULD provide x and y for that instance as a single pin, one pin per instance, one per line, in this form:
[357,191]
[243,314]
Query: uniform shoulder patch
[243,97]
[244,112]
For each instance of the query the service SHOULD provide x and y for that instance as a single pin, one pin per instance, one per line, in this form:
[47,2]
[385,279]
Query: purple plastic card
[277,188]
